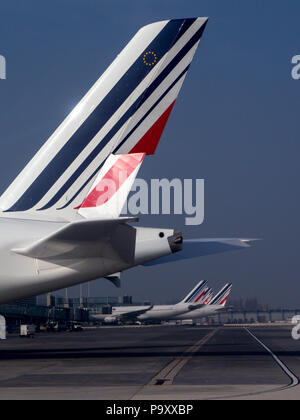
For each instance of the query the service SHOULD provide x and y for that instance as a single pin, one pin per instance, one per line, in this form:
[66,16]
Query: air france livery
[196,305]
[212,307]
[190,303]
[60,218]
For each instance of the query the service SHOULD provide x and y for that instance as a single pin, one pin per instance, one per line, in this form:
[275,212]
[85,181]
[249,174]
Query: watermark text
[296,67]
[296,329]
[2,67]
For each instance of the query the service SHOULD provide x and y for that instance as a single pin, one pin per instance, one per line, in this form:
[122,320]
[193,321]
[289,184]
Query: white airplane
[197,304]
[210,307]
[156,312]
[60,219]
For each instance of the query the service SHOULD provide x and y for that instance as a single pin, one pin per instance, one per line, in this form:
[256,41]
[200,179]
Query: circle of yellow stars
[150,55]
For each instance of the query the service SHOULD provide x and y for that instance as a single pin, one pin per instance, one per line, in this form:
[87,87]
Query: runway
[157,363]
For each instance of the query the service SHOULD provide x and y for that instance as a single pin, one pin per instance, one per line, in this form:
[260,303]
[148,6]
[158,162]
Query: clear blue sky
[235,124]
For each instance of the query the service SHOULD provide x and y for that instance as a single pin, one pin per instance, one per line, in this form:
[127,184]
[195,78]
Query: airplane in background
[190,303]
[60,224]
[197,304]
[211,307]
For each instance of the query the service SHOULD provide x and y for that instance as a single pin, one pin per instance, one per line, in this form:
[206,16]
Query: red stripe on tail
[223,301]
[117,175]
[149,141]
[199,297]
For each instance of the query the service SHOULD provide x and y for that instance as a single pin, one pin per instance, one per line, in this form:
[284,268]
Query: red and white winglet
[111,187]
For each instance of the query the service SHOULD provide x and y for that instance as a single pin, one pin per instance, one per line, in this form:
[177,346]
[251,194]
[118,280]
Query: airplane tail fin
[208,297]
[201,298]
[202,295]
[222,296]
[124,113]
[198,290]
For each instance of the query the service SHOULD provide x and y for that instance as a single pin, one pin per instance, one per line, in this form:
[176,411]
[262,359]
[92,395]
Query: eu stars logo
[150,58]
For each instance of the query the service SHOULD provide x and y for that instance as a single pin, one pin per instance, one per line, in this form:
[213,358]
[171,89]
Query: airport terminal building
[51,308]
[42,309]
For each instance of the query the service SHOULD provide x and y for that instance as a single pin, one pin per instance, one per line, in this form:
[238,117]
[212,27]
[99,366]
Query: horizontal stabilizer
[74,239]
[193,248]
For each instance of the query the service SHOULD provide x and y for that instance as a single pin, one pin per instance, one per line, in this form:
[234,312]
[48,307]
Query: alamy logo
[163,196]
[2,328]
[296,329]
[2,67]
[296,68]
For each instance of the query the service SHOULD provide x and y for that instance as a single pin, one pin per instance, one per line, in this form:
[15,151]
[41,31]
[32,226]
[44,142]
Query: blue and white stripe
[222,294]
[195,292]
[112,117]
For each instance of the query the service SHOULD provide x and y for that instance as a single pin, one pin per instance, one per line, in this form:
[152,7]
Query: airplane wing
[134,314]
[194,307]
[193,248]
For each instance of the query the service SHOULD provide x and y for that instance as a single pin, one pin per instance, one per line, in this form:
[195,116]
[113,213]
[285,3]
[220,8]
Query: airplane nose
[176,241]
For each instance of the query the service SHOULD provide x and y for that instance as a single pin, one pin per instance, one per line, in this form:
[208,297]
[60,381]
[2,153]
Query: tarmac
[152,363]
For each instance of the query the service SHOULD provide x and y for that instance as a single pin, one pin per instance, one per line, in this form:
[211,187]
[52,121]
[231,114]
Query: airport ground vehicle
[27,330]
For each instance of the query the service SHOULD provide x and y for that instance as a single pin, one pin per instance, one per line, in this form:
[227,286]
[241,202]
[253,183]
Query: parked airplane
[60,218]
[193,306]
[213,307]
[158,312]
